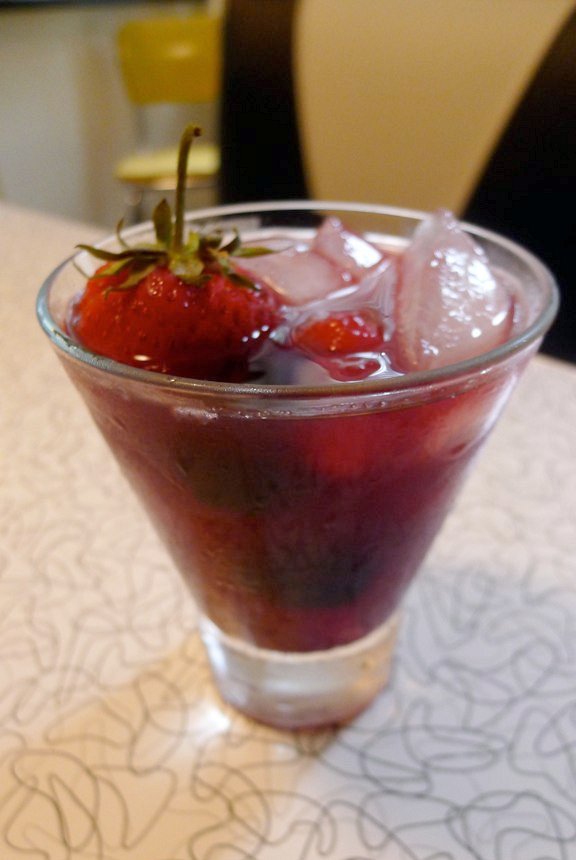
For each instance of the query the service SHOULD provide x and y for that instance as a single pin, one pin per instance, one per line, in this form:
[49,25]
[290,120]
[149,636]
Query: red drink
[296,531]
[299,514]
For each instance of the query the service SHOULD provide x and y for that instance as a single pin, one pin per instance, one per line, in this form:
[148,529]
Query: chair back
[172,59]
[259,134]
[403,101]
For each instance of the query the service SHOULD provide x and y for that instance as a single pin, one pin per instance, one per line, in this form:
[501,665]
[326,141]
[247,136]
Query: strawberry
[341,333]
[176,307]
[348,344]
[206,331]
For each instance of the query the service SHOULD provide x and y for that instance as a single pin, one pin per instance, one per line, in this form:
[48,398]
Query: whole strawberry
[177,306]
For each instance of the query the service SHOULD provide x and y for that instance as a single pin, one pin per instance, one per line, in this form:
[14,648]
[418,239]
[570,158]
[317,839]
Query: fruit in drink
[164,324]
[176,306]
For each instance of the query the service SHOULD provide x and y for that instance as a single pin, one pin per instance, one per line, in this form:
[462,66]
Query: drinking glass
[298,515]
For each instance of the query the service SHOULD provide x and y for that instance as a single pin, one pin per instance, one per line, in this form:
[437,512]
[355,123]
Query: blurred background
[468,104]
[67,118]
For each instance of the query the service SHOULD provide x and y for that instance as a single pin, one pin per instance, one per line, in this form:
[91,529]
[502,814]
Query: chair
[259,133]
[412,95]
[169,61]
[392,101]
[529,186]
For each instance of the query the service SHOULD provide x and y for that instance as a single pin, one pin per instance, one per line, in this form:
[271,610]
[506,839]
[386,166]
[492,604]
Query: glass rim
[403,382]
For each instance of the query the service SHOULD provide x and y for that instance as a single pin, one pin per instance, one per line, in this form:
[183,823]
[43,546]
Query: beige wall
[64,118]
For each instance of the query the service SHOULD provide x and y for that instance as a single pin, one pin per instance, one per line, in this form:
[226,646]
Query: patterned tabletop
[113,742]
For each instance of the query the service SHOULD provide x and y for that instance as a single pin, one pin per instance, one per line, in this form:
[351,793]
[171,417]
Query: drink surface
[302,307]
[300,530]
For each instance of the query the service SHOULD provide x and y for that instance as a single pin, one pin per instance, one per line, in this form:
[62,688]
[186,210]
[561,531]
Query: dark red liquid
[294,533]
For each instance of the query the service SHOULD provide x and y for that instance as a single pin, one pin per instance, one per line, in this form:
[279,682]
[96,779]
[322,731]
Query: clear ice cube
[348,251]
[301,273]
[450,305]
[298,274]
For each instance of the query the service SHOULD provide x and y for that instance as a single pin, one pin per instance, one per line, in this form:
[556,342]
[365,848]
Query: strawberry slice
[177,307]
[347,343]
[450,304]
[342,333]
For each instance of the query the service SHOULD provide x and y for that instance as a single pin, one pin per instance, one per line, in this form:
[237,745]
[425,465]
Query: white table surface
[113,742]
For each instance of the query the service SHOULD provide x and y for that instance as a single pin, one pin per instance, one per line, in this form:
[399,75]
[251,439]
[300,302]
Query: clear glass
[297,515]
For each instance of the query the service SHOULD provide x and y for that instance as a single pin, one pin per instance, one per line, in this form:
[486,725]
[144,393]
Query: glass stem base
[301,690]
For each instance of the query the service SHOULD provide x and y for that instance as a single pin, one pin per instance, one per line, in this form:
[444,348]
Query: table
[114,744]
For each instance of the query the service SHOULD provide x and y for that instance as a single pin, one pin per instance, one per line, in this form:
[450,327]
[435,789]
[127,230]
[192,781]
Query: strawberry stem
[190,132]
[194,258]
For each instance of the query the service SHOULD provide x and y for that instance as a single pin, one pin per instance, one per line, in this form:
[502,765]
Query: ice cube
[302,273]
[450,304]
[298,274]
[375,291]
[346,250]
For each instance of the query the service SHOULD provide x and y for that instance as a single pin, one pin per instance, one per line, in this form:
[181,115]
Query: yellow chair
[170,61]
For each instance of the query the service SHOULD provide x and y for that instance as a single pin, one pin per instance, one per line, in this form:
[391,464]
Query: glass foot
[300,690]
